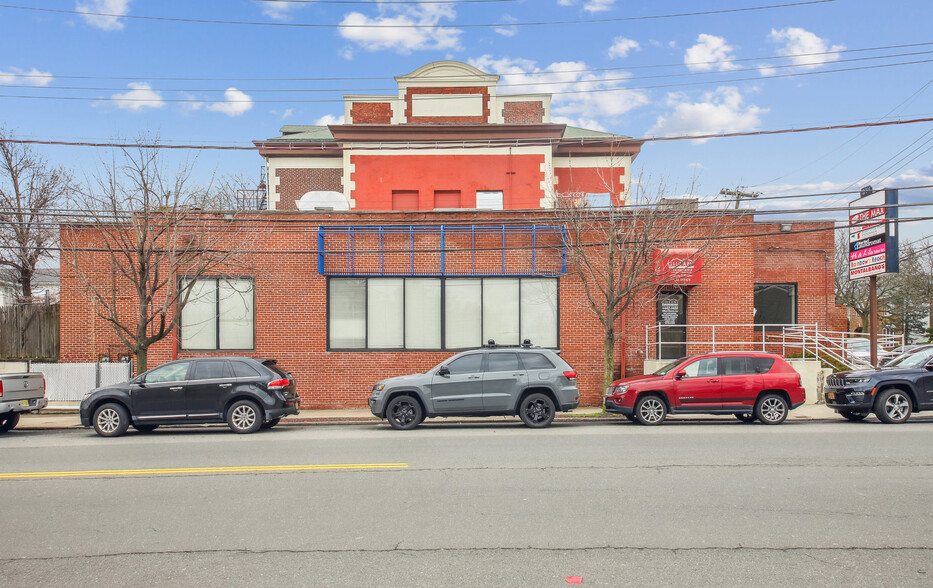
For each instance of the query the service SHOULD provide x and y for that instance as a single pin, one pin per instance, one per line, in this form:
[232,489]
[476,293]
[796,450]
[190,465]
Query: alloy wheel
[897,406]
[651,411]
[243,417]
[108,420]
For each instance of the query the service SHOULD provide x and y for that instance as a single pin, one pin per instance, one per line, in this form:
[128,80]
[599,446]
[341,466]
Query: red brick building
[387,246]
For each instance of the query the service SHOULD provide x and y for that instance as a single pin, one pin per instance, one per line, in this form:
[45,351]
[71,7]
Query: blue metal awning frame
[351,232]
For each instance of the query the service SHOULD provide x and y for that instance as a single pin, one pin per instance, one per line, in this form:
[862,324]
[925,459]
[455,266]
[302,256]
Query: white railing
[850,349]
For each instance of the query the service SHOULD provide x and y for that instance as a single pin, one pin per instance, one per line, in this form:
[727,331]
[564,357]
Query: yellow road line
[214,470]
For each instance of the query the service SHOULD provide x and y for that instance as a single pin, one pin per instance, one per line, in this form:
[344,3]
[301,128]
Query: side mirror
[680,374]
[443,371]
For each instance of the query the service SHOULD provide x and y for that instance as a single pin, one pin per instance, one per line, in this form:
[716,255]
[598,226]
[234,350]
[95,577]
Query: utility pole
[739,194]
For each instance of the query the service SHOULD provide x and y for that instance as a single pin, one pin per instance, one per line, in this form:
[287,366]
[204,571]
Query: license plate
[24,403]
[831,396]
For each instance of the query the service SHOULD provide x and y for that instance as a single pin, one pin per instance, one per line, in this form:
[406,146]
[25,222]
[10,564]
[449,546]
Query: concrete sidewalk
[66,417]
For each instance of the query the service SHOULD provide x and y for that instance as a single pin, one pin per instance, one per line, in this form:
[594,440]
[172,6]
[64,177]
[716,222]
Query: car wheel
[270,423]
[745,417]
[650,410]
[537,410]
[8,421]
[111,420]
[853,416]
[404,413]
[893,406]
[771,409]
[244,417]
[145,428]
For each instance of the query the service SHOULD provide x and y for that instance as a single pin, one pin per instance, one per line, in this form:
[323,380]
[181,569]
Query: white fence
[68,382]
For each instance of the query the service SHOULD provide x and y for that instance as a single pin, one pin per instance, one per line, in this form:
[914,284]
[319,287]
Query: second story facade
[447,141]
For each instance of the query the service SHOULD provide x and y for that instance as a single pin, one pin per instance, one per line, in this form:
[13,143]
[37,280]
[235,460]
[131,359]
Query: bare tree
[30,190]
[147,233]
[614,248]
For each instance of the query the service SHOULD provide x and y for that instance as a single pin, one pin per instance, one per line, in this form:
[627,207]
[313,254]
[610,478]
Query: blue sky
[641,77]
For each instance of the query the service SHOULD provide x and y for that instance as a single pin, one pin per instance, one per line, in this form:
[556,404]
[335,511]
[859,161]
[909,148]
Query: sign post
[873,247]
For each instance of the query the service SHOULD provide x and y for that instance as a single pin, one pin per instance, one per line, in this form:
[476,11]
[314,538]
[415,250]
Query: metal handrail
[807,338]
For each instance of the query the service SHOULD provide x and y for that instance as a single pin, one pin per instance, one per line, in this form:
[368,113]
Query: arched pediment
[452,73]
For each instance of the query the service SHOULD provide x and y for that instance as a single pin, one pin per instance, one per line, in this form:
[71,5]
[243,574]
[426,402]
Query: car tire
[270,423]
[244,417]
[771,409]
[145,428]
[893,406]
[404,413]
[745,417]
[853,416]
[650,410]
[536,410]
[8,421]
[111,420]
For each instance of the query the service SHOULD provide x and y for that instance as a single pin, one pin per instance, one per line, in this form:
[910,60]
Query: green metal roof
[304,133]
[578,133]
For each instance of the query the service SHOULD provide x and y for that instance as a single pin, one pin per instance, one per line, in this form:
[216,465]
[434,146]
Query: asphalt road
[689,504]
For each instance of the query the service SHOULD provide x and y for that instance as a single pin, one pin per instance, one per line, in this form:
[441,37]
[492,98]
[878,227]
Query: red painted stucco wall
[376,176]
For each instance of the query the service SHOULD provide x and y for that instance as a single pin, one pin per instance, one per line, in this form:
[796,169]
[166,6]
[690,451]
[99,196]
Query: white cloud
[696,165]
[710,48]
[621,47]
[140,97]
[279,10]
[766,69]
[115,8]
[507,31]
[235,103]
[720,111]
[288,113]
[33,77]
[579,97]
[393,29]
[329,119]
[598,5]
[591,5]
[800,42]
[192,104]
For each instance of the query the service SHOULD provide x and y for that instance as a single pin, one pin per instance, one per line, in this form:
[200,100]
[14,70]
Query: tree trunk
[25,282]
[609,345]
[141,360]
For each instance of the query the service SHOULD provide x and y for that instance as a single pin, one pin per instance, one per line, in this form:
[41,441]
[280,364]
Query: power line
[249,100]
[465,143]
[499,86]
[411,26]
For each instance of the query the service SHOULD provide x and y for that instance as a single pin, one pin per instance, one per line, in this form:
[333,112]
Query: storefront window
[436,313]
[218,315]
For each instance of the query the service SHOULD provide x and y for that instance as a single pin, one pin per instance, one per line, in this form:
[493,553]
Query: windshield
[667,369]
[912,359]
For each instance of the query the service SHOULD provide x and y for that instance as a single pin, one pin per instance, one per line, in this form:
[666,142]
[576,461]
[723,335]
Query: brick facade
[523,112]
[371,113]
[291,297]
[295,183]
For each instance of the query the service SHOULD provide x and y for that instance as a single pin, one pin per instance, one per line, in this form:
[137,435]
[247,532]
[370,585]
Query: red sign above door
[678,267]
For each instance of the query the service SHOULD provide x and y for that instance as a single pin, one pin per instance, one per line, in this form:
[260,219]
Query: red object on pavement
[574,579]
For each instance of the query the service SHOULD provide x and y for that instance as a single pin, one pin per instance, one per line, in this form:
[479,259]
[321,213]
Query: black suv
[893,392]
[246,393]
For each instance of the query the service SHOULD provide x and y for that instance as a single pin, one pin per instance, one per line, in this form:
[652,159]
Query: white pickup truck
[20,393]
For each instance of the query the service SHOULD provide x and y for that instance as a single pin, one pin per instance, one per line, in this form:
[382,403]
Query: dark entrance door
[672,325]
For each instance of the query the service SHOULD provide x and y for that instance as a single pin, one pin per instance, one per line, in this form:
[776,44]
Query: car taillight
[1,389]
[277,384]
[570,375]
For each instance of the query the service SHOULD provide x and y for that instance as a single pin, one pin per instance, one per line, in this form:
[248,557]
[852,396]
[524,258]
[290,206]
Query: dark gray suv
[531,382]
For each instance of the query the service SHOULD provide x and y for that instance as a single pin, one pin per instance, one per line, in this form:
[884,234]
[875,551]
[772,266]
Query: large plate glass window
[219,314]
[441,313]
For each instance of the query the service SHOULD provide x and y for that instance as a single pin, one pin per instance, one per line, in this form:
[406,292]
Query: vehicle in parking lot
[751,386]
[893,392]
[531,382]
[246,393]
[19,393]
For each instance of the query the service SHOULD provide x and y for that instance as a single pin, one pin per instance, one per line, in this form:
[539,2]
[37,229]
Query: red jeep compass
[751,386]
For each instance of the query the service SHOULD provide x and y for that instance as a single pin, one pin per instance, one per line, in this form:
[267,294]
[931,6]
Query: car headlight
[860,380]
[379,387]
[617,389]
[86,396]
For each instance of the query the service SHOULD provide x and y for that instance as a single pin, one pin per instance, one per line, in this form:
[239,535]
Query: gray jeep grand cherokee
[528,381]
